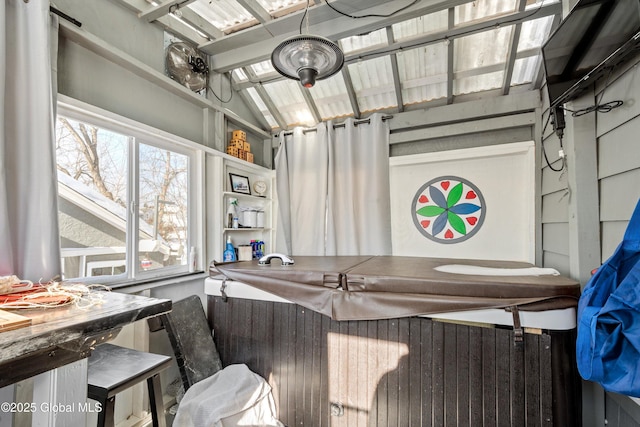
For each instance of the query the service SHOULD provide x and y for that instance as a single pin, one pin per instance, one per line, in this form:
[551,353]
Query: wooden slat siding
[518,398]
[504,386]
[437,374]
[532,380]
[450,373]
[489,377]
[373,360]
[614,149]
[462,380]
[619,195]
[456,375]
[324,410]
[555,207]
[556,237]
[382,388]
[546,378]
[567,384]
[415,385]
[426,334]
[476,412]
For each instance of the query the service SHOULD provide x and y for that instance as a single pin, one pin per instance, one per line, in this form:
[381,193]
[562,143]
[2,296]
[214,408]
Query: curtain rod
[340,125]
[65,16]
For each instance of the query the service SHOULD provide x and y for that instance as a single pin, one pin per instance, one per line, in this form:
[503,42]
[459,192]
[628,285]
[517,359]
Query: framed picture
[240,184]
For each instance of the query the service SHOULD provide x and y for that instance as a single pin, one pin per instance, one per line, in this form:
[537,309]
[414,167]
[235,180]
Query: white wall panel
[505,176]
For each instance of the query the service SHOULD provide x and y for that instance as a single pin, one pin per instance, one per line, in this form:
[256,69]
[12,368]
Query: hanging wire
[305,15]
[216,95]
[600,108]
[544,152]
[372,15]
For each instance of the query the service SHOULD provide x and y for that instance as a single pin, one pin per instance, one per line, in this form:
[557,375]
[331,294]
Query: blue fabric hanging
[608,344]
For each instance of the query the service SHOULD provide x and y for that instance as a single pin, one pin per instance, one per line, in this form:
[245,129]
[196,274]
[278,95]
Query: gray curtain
[28,186]
[333,190]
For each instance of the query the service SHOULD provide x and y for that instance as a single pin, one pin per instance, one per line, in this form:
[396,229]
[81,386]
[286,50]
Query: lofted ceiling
[399,55]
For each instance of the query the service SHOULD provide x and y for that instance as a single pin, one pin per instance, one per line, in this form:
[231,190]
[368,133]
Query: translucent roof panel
[373,83]
[422,25]
[262,107]
[472,84]
[331,98]
[534,33]
[287,97]
[226,15]
[479,60]
[423,73]
[263,68]
[355,44]
[482,10]
[282,7]
[239,75]
[525,70]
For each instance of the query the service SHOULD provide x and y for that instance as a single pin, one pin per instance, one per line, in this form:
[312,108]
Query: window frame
[141,133]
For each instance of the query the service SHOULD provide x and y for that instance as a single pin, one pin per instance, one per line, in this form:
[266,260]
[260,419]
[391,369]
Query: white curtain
[28,186]
[333,190]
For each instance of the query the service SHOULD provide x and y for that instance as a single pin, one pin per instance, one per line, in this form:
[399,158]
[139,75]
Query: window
[123,198]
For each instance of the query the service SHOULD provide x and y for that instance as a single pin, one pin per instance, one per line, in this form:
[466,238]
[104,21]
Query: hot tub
[454,367]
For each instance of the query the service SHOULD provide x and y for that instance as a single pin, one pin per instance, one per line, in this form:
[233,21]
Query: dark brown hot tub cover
[385,287]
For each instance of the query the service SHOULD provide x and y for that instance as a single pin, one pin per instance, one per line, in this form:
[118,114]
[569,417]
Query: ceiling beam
[306,94]
[353,99]
[395,73]
[451,17]
[258,12]
[261,50]
[511,53]
[164,8]
[255,44]
[201,24]
[275,112]
[168,23]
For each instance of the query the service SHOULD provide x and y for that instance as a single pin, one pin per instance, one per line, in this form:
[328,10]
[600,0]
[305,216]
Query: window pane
[92,186]
[163,194]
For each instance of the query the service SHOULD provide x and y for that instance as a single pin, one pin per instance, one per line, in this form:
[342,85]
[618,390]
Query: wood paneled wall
[398,372]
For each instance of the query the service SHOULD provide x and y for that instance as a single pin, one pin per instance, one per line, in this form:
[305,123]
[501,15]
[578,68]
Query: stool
[113,369]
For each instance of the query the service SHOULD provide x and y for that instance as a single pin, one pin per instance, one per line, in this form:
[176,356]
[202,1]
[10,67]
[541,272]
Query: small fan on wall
[186,66]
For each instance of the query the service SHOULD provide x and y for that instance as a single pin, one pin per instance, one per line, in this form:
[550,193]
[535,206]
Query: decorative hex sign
[448,209]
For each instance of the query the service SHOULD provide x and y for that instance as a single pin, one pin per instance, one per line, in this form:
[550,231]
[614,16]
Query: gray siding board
[614,150]
[553,181]
[627,89]
[555,207]
[555,237]
[558,261]
[612,233]
[619,195]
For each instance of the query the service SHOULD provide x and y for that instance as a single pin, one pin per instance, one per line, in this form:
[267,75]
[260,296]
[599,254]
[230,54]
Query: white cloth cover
[234,396]
[476,270]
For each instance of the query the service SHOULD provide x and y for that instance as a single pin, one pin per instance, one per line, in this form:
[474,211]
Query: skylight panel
[263,68]
[524,70]
[479,83]
[331,98]
[534,33]
[287,97]
[416,27]
[482,10]
[262,107]
[481,50]
[226,15]
[239,75]
[364,42]
[373,83]
[282,7]
[423,73]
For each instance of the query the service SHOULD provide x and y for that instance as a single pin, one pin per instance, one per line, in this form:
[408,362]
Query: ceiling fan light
[300,56]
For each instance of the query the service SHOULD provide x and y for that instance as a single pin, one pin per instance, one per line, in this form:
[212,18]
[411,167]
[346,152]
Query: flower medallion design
[448,209]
